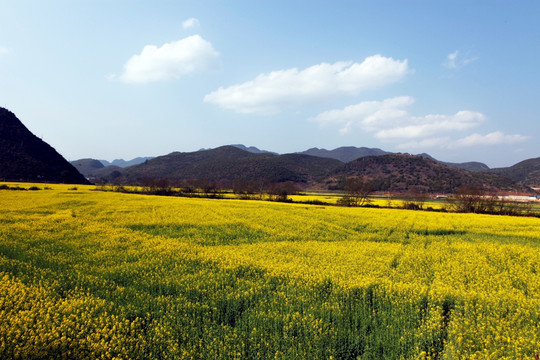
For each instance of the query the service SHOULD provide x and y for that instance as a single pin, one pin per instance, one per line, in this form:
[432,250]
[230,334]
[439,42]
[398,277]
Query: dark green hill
[87,166]
[229,164]
[391,172]
[473,166]
[25,157]
[526,172]
[404,172]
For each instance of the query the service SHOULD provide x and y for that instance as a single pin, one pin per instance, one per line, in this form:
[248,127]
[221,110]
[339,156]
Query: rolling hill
[25,157]
[404,172]
[125,163]
[87,166]
[230,164]
[473,166]
[526,172]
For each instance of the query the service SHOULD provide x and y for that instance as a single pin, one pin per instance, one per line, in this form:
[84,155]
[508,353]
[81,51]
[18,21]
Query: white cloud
[494,138]
[273,92]
[432,124]
[170,61]
[491,139]
[389,119]
[370,115]
[451,60]
[190,23]
[454,61]
[426,143]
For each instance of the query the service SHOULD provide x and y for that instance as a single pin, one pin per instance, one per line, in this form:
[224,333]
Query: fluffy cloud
[432,124]
[389,119]
[454,61]
[190,23]
[170,61]
[494,138]
[273,92]
[370,115]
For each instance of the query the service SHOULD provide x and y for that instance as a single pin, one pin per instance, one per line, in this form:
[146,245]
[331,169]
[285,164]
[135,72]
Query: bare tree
[415,199]
[469,199]
[357,192]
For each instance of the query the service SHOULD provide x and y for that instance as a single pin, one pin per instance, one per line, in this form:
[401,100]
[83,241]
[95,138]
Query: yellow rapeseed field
[87,274]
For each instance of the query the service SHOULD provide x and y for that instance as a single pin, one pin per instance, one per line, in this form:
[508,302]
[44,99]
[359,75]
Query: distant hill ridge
[344,153]
[388,172]
[25,157]
[126,163]
[474,166]
[229,163]
[405,172]
[527,172]
[320,168]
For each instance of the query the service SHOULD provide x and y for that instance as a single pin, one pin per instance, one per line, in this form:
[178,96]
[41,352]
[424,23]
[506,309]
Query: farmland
[90,274]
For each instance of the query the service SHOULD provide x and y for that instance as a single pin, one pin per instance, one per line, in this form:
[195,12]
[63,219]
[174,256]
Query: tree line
[358,192]
[207,188]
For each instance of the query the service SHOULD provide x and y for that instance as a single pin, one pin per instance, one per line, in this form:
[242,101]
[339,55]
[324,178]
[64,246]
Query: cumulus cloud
[431,124]
[491,139]
[494,138]
[273,92]
[170,61]
[390,120]
[369,115]
[454,61]
[190,23]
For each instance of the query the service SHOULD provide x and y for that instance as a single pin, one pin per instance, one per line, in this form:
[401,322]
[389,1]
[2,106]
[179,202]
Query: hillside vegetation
[404,172]
[526,172]
[230,165]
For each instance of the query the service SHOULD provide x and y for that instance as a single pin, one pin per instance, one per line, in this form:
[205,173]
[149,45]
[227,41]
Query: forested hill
[25,157]
[526,172]
[404,172]
[230,164]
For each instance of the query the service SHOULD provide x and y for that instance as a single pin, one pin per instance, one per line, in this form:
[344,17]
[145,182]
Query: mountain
[526,172]
[390,172]
[473,166]
[95,171]
[87,166]
[404,172]
[350,153]
[231,164]
[345,153]
[253,149]
[25,157]
[126,163]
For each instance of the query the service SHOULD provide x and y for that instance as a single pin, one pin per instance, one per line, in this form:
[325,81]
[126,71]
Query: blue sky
[109,79]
